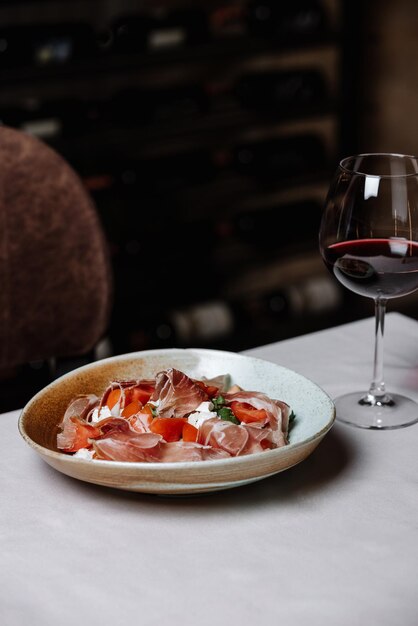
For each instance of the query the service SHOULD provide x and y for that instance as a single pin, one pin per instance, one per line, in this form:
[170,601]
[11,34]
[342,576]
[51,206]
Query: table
[332,541]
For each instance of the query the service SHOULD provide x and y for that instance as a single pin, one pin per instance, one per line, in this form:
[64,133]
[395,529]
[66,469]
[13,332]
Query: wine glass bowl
[368,239]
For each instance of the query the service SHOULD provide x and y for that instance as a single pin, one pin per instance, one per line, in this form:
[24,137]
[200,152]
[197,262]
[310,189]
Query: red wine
[385,268]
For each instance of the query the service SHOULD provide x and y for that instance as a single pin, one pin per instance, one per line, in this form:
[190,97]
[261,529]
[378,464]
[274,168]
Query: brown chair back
[55,272]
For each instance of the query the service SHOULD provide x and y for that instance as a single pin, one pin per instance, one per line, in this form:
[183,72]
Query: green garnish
[292,418]
[154,410]
[218,402]
[226,414]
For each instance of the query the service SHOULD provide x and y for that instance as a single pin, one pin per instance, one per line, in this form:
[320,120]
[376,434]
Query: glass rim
[342,165]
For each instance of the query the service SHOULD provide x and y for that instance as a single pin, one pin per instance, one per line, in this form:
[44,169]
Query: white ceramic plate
[314,409]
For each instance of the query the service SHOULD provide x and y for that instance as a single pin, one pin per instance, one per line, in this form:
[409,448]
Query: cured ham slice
[111,425]
[178,394]
[173,418]
[74,429]
[140,422]
[180,451]
[222,382]
[80,407]
[286,411]
[238,439]
[259,439]
[224,435]
[130,390]
[128,446]
[76,434]
[278,412]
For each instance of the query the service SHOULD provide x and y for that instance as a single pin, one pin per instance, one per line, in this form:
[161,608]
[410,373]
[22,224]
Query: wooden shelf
[118,147]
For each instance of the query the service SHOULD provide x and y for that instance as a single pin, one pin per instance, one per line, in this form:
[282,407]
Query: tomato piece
[247,413]
[170,428]
[113,397]
[82,434]
[147,410]
[190,432]
[211,390]
[132,408]
[141,393]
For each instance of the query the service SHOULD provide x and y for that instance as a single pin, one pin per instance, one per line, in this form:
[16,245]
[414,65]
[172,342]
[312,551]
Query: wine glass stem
[377,393]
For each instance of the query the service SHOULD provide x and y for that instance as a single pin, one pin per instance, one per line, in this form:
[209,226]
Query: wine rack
[206,133]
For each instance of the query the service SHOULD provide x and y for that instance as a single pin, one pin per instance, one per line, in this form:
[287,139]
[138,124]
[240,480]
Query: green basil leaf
[218,402]
[226,414]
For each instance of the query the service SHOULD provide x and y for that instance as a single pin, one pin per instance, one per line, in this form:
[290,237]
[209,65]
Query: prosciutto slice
[278,411]
[178,451]
[110,425]
[77,413]
[80,407]
[178,394]
[173,418]
[140,422]
[78,433]
[222,382]
[259,439]
[224,435]
[129,446]
[126,387]
[236,439]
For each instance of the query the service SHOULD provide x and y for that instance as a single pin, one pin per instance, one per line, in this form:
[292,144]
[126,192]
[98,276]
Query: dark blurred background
[207,134]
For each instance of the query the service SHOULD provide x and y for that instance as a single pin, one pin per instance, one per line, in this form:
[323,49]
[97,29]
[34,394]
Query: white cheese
[84,453]
[97,415]
[202,413]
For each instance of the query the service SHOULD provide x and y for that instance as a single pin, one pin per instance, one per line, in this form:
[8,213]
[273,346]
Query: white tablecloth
[330,542]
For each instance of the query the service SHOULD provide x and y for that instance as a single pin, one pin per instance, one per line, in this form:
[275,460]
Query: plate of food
[177,421]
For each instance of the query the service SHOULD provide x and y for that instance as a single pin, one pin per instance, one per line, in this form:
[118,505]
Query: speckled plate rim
[146,470]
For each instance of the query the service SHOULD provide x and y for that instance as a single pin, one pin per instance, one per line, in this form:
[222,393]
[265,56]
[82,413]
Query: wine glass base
[351,409]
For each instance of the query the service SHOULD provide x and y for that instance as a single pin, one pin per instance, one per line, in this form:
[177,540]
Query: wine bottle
[182,27]
[281,91]
[42,45]
[127,178]
[169,172]
[129,33]
[203,323]
[287,21]
[228,20]
[283,157]
[180,102]
[34,118]
[305,298]
[243,321]
[196,324]
[159,30]
[51,120]
[136,106]
[277,227]
[314,296]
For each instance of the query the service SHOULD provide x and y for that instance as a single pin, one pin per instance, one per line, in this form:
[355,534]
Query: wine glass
[368,239]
